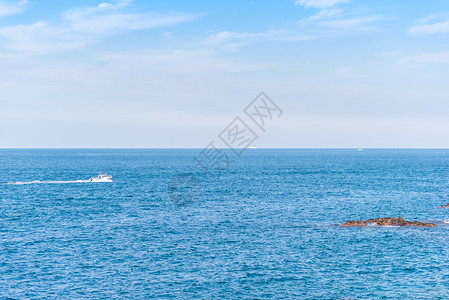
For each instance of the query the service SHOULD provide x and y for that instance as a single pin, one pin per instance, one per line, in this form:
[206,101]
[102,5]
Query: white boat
[101,178]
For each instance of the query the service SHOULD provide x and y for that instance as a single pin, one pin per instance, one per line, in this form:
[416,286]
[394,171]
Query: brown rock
[354,223]
[420,224]
[387,222]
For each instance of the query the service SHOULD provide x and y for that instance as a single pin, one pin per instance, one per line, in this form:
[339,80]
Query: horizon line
[199,148]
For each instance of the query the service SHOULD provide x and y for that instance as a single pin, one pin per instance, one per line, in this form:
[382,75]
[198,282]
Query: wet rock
[387,222]
[354,223]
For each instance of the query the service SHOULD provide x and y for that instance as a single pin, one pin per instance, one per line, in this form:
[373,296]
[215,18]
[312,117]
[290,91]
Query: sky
[162,74]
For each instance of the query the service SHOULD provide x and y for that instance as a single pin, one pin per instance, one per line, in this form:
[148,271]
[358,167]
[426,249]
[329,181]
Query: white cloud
[324,14]
[22,32]
[326,23]
[39,38]
[335,20]
[432,24]
[107,18]
[331,20]
[353,24]
[231,40]
[12,8]
[319,3]
[118,22]
[104,5]
[226,36]
[83,26]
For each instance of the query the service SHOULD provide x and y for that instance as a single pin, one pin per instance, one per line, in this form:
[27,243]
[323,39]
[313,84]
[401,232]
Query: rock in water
[387,222]
[354,223]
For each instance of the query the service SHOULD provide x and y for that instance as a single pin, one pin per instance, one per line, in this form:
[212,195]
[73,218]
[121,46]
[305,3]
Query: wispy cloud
[325,14]
[230,40]
[320,3]
[331,19]
[12,8]
[432,24]
[82,26]
[107,18]
[351,24]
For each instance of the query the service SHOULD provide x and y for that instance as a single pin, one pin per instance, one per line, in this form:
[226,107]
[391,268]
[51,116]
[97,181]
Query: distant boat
[101,178]
[360,149]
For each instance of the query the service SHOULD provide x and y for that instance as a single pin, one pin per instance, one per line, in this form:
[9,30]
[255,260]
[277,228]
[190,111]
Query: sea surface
[264,227]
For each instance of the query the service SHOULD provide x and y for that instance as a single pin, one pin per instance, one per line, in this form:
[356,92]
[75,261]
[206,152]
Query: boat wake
[55,182]
[100,178]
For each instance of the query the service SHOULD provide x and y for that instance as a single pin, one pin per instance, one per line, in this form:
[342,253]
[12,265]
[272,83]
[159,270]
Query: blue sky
[175,73]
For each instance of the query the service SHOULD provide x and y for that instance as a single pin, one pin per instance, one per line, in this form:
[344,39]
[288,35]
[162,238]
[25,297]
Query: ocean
[264,227]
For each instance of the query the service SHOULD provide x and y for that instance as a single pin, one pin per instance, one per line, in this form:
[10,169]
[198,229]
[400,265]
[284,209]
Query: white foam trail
[54,182]
[446,221]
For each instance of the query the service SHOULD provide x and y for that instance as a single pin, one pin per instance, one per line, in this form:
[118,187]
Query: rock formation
[387,222]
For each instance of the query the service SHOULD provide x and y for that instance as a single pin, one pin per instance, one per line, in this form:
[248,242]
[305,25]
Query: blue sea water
[265,229]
